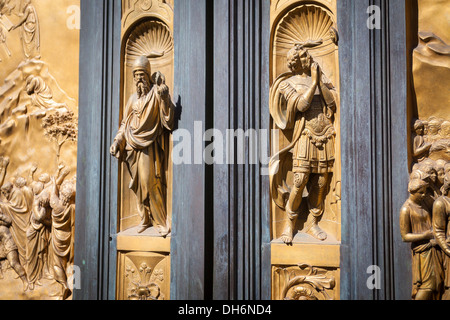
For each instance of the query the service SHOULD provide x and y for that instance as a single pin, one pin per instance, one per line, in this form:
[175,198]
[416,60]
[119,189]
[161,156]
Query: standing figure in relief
[142,144]
[18,199]
[416,228]
[303,100]
[61,198]
[9,250]
[29,31]
[420,147]
[38,235]
[441,220]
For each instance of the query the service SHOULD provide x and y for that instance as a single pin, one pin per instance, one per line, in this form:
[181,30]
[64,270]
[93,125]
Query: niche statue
[303,100]
[141,143]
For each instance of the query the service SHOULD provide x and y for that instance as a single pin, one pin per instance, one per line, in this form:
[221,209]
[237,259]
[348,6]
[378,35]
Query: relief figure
[416,228]
[441,219]
[29,32]
[142,143]
[61,197]
[303,100]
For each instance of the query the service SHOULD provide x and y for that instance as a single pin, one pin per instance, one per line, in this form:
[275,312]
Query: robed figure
[142,143]
[304,101]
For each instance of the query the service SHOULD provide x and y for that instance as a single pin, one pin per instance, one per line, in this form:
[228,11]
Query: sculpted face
[420,194]
[305,60]
[299,60]
[6,190]
[141,81]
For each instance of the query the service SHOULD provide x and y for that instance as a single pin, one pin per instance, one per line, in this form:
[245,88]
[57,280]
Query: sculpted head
[299,60]
[142,75]
[44,199]
[6,189]
[20,182]
[418,189]
[445,130]
[434,125]
[440,170]
[66,192]
[419,127]
[44,178]
[428,167]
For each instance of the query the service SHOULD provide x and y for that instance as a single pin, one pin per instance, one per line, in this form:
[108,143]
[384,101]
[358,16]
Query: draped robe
[313,135]
[18,208]
[143,141]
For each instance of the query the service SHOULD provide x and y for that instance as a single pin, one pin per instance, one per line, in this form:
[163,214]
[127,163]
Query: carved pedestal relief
[145,276]
[305,164]
[425,214]
[38,145]
[303,282]
[143,147]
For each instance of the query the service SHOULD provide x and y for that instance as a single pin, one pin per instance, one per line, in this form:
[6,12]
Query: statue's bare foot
[142,228]
[286,239]
[288,234]
[25,285]
[163,231]
[315,231]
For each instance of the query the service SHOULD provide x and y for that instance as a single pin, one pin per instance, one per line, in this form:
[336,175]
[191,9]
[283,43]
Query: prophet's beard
[142,88]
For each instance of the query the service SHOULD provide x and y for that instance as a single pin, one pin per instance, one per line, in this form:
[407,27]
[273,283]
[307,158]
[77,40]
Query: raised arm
[24,18]
[4,162]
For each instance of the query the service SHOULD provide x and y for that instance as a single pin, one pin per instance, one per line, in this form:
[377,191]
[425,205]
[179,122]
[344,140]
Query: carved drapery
[143,145]
[38,133]
[304,105]
[424,215]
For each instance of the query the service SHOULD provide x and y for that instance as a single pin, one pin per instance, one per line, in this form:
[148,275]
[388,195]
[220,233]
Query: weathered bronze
[305,166]
[143,146]
[304,100]
[141,143]
[423,217]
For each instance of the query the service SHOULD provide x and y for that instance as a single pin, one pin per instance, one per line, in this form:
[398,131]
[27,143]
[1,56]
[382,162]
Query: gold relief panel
[142,146]
[425,215]
[143,276]
[304,282]
[39,48]
[304,105]
[305,169]
[147,44]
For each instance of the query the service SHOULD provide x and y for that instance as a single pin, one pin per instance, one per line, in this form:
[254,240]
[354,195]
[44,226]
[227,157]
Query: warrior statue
[303,100]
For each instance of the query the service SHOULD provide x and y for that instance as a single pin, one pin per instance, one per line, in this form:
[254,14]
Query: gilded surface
[431,59]
[303,282]
[144,276]
[305,164]
[143,147]
[38,134]
[424,216]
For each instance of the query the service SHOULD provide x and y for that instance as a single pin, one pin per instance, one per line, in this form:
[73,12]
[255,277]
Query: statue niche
[142,142]
[303,103]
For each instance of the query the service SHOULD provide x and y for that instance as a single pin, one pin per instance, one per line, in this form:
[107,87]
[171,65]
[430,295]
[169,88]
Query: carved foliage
[305,282]
[145,276]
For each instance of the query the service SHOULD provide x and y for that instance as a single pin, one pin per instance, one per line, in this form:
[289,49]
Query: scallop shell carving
[308,25]
[151,38]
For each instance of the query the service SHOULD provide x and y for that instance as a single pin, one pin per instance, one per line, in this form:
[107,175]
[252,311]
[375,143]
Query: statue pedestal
[143,265]
[323,258]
